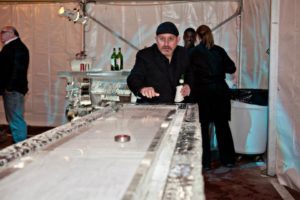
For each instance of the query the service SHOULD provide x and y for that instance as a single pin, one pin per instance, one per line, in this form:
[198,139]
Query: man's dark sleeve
[188,75]
[1,76]
[136,78]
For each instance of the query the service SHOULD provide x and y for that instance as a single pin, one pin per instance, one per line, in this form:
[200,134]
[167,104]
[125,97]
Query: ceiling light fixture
[72,15]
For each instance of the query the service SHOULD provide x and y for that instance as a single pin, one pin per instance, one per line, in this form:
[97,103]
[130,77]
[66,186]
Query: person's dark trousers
[206,154]
[225,143]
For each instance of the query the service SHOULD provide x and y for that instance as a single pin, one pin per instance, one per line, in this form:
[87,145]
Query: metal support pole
[273,85]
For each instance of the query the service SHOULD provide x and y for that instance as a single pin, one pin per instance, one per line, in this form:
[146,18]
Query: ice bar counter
[121,151]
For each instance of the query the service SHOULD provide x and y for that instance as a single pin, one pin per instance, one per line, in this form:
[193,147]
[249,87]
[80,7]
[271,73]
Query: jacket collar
[10,40]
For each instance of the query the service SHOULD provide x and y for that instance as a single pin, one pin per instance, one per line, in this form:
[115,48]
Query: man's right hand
[149,92]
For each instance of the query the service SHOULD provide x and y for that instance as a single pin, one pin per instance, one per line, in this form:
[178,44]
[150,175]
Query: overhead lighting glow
[72,15]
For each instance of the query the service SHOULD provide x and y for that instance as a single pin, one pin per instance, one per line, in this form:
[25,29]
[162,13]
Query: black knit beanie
[167,27]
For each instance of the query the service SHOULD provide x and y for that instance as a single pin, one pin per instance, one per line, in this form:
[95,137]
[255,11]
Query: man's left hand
[186,90]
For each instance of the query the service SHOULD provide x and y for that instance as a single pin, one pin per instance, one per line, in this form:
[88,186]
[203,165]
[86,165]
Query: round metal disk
[122,138]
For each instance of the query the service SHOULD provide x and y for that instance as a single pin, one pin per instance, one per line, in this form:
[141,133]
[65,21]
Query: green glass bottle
[120,59]
[113,59]
[181,80]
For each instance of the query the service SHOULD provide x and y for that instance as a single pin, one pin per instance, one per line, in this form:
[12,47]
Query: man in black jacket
[14,61]
[158,68]
[189,38]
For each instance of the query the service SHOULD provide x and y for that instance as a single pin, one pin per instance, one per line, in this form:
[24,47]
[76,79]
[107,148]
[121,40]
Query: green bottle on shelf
[120,59]
[113,59]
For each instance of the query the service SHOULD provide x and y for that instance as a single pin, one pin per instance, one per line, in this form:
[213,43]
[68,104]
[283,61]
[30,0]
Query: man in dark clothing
[14,61]
[189,38]
[158,68]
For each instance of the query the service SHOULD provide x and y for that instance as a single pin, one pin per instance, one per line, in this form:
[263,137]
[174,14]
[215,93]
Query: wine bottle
[113,59]
[120,59]
[178,96]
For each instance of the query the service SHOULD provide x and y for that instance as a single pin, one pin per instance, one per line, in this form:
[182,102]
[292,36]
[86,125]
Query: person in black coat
[158,68]
[189,38]
[14,61]
[210,63]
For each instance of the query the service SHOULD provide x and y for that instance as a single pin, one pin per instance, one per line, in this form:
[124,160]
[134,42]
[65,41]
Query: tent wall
[255,43]
[254,74]
[52,42]
[138,22]
[288,108]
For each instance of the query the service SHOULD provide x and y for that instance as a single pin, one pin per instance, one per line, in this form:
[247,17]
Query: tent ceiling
[100,1]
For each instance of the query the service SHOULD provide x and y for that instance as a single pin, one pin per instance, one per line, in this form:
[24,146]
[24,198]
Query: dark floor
[6,139]
[247,180]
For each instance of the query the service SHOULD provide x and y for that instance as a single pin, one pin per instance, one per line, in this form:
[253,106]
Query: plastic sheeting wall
[53,42]
[288,108]
[138,22]
[255,43]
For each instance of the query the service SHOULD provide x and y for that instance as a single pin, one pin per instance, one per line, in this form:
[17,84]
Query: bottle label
[119,62]
[178,96]
[82,67]
[112,63]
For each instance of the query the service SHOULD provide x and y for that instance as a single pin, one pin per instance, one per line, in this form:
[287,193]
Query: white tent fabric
[138,22]
[255,43]
[53,41]
[288,108]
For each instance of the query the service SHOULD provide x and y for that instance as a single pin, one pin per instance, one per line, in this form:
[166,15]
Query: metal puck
[122,138]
